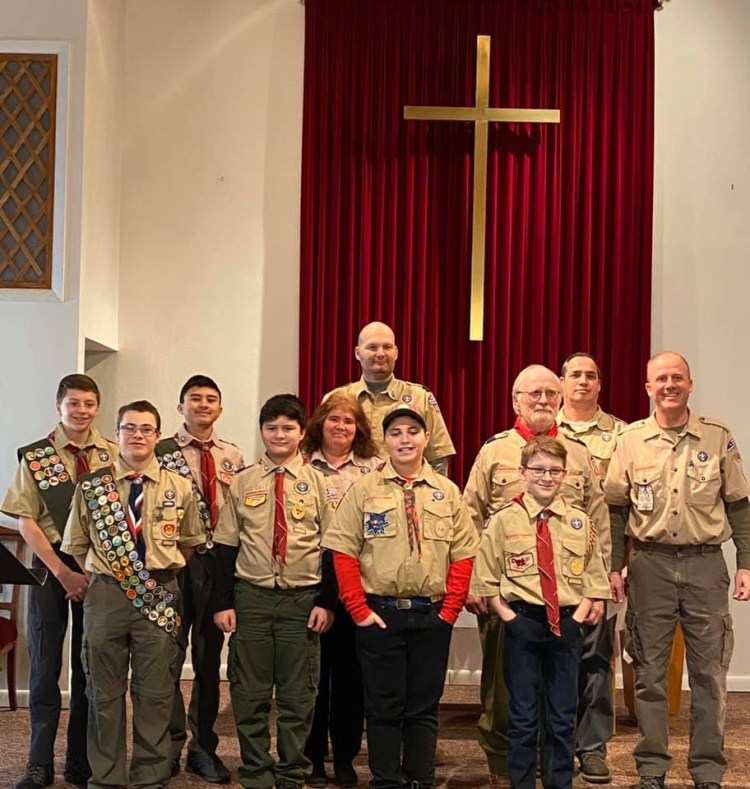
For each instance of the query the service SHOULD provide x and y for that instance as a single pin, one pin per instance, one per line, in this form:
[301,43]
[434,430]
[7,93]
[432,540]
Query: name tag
[645,501]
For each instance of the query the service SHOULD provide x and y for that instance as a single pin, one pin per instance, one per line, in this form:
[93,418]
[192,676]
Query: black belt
[160,576]
[674,550]
[406,603]
[529,609]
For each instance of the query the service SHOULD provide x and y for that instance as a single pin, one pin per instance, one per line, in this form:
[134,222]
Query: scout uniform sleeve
[477,493]
[227,529]
[76,541]
[227,541]
[735,491]
[738,515]
[595,579]
[465,537]
[440,444]
[617,495]
[22,499]
[485,579]
[191,527]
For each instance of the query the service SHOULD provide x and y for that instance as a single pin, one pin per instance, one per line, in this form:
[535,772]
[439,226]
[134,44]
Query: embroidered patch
[576,523]
[376,523]
[104,456]
[301,486]
[168,529]
[226,464]
[732,445]
[703,456]
[255,499]
[438,495]
[576,566]
[433,402]
[332,493]
[406,398]
[645,500]
[169,495]
[519,562]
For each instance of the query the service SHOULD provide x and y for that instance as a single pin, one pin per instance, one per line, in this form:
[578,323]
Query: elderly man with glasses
[495,480]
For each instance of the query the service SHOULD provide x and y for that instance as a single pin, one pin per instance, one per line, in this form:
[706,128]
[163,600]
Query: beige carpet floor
[465,766]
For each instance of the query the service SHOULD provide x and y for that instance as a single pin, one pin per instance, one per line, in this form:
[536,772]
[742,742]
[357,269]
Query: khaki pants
[690,586]
[117,637]
[492,729]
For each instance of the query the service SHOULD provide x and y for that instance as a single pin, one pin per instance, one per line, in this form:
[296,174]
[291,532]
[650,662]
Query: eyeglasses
[131,430]
[550,394]
[538,472]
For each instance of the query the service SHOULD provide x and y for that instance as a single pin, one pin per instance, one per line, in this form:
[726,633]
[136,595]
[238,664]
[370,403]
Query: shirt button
[674,490]
[674,533]
[674,468]
[674,512]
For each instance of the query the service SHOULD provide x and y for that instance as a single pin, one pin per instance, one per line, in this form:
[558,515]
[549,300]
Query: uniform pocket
[313,659]
[573,558]
[506,484]
[573,486]
[232,659]
[437,521]
[379,518]
[519,558]
[632,639]
[703,483]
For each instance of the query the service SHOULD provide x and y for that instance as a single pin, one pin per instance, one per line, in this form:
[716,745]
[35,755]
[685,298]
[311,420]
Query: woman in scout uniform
[403,550]
[39,497]
[338,445]
[275,596]
[540,566]
[131,529]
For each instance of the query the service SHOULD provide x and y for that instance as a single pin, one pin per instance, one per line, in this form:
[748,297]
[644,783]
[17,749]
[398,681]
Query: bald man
[676,486]
[378,390]
[495,480]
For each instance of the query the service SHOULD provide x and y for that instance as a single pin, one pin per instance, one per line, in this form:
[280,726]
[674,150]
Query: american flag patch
[732,445]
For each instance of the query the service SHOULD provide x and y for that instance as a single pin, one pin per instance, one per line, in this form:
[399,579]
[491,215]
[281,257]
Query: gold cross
[481,114]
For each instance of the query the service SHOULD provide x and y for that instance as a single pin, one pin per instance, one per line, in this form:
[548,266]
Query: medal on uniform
[298,510]
[645,502]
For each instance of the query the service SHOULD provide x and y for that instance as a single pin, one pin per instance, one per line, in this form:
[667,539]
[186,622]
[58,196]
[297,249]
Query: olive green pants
[492,729]
[116,637]
[273,648]
[691,588]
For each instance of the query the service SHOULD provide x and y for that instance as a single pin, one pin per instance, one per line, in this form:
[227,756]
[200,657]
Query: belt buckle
[403,604]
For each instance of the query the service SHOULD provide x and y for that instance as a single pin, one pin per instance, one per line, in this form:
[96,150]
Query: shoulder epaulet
[572,439]
[578,507]
[231,443]
[633,426]
[508,504]
[496,436]
[709,420]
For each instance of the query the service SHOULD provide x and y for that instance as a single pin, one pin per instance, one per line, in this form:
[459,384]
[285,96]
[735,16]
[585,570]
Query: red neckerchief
[524,431]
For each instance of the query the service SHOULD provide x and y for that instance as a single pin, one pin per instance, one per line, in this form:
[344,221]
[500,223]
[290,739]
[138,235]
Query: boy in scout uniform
[275,595]
[494,481]
[403,550]
[676,486]
[39,496]
[540,567]
[378,390]
[210,463]
[132,528]
[582,418]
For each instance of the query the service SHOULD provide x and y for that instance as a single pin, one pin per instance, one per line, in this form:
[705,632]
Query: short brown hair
[140,407]
[362,446]
[546,445]
[77,381]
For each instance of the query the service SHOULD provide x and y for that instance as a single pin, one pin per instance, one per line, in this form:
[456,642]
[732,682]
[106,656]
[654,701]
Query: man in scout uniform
[676,486]
[539,566]
[39,496]
[494,481]
[582,418]
[210,463]
[378,390]
[275,595]
[403,549]
[132,528]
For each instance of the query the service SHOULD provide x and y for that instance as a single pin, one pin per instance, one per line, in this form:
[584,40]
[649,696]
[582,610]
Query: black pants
[339,708]
[47,625]
[541,672]
[403,668]
[206,643]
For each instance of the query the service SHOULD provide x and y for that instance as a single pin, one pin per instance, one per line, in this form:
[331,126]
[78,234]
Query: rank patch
[169,529]
[376,523]
[576,566]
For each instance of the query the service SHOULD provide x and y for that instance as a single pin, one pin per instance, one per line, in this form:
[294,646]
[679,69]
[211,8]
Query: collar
[392,390]
[654,429]
[152,470]
[427,474]
[184,437]
[533,507]
[600,419]
[293,466]
[319,459]
[60,438]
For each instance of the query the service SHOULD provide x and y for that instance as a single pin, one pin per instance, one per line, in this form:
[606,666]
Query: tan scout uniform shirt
[494,481]
[247,522]
[507,563]
[338,480]
[169,515]
[676,487]
[23,498]
[370,525]
[599,436]
[376,407]
[227,459]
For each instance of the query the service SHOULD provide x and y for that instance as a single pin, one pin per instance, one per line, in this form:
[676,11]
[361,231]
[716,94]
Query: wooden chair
[8,625]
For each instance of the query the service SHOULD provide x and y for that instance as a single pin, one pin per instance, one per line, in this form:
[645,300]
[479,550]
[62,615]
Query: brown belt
[675,550]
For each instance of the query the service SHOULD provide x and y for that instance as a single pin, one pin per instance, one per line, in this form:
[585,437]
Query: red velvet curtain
[386,203]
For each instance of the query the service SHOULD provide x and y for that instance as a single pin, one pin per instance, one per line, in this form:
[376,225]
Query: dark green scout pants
[492,729]
[690,586]
[273,647]
[117,637]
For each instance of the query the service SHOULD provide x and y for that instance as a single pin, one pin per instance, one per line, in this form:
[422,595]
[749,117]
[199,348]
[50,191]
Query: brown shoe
[594,769]
[499,780]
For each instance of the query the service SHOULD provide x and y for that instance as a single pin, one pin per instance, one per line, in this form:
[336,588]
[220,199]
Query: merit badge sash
[51,477]
[151,599]
[170,456]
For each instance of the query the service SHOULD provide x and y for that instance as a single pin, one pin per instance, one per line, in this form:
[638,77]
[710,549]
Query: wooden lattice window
[28,89]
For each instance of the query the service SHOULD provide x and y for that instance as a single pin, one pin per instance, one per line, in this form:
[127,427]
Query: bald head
[536,397]
[376,351]
[671,357]
[669,386]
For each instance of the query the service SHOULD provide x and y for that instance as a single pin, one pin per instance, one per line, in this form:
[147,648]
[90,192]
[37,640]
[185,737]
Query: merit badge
[226,464]
[39,452]
[406,398]
[30,456]
[576,566]
[519,562]
[438,495]
[63,476]
[376,523]
[43,485]
[301,486]
[576,523]
[255,499]
[645,501]
[168,529]
[298,510]
[703,456]
[732,445]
